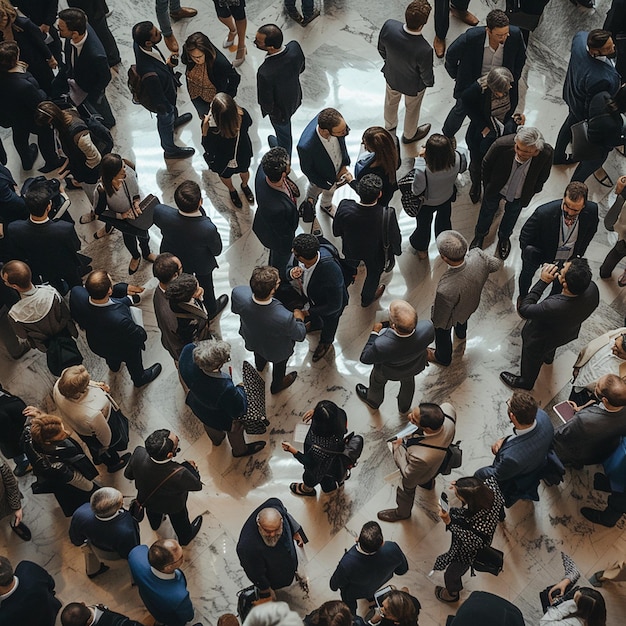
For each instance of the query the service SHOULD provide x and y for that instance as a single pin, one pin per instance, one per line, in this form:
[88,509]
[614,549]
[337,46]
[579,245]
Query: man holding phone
[420,456]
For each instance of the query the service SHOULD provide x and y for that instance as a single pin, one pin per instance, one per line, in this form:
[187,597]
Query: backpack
[138,90]
[348,268]
[454,454]
[349,456]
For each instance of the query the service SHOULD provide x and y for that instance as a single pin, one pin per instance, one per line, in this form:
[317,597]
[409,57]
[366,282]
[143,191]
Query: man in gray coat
[269,329]
[420,455]
[408,69]
[458,292]
[397,350]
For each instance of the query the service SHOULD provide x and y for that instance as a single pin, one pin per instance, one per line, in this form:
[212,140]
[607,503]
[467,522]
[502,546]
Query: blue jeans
[283,134]
[307,8]
[488,210]
[165,127]
[163,9]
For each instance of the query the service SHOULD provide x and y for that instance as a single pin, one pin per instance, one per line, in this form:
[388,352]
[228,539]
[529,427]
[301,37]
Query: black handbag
[489,559]
[62,352]
[390,258]
[120,435]
[582,148]
[245,601]
[411,203]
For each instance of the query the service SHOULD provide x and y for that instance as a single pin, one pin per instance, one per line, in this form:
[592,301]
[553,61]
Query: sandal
[240,56]
[299,490]
[605,180]
[448,597]
[86,218]
[621,281]
[247,192]
[235,199]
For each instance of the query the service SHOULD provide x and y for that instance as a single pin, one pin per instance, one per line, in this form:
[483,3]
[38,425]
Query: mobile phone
[443,503]
[381,594]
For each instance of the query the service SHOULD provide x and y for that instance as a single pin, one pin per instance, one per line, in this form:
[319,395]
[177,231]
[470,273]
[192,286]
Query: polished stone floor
[342,71]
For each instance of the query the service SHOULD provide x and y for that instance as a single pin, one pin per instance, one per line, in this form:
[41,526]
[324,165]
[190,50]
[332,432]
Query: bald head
[270,524]
[17,275]
[402,317]
[611,389]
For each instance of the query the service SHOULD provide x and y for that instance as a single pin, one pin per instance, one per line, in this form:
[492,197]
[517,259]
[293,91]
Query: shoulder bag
[137,509]
[390,258]
[582,148]
[488,559]
[349,456]
[254,421]
[454,454]
[411,203]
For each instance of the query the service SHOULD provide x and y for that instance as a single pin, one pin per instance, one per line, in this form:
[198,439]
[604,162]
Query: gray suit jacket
[399,357]
[168,323]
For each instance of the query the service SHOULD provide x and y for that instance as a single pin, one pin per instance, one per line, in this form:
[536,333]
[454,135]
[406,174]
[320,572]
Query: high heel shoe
[239,60]
[229,42]
[131,271]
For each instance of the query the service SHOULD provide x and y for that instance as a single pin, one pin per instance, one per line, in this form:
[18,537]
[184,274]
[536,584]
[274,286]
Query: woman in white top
[587,608]
[86,408]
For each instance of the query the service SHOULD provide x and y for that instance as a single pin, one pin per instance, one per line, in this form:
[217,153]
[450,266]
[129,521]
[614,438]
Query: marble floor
[342,71]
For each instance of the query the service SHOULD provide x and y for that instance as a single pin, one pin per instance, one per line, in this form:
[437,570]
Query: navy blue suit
[111,331]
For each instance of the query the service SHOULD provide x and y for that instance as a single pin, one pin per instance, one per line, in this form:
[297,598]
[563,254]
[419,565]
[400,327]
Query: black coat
[11,424]
[12,206]
[606,128]
[161,88]
[40,11]
[541,229]
[21,97]
[222,74]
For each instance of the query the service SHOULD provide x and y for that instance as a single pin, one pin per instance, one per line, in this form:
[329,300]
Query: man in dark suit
[166,268]
[556,320]
[318,274]
[360,226]
[473,53]
[163,485]
[523,453]
[514,169]
[397,350]
[160,83]
[191,235]
[103,312]
[269,329]
[276,218]
[266,547]
[556,232]
[86,70]
[589,72]
[324,157]
[32,600]
[407,68]
[104,530]
[279,93]
[48,247]
[79,614]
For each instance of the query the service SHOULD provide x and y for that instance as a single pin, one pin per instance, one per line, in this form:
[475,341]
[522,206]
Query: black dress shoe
[220,305]
[474,194]
[195,529]
[251,448]
[504,248]
[181,153]
[597,517]
[420,133]
[185,118]
[103,568]
[321,351]
[477,242]
[601,482]
[121,464]
[513,381]
[50,167]
[287,381]
[150,374]
[361,394]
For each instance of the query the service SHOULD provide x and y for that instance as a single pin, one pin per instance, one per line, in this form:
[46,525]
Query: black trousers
[180,523]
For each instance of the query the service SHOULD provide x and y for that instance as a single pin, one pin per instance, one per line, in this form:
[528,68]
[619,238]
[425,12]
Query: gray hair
[272,614]
[211,354]
[498,79]
[530,136]
[452,245]
[106,501]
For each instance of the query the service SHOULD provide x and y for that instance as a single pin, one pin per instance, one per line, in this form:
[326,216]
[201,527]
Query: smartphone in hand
[443,503]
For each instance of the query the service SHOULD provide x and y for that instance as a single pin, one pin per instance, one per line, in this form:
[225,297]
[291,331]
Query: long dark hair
[328,419]
[439,154]
[227,115]
[49,113]
[475,494]
[198,41]
[110,166]
[590,607]
[381,143]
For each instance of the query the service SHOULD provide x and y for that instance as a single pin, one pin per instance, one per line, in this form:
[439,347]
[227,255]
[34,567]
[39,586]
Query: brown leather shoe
[390,515]
[321,351]
[287,381]
[171,43]
[465,16]
[420,133]
[440,47]
[183,12]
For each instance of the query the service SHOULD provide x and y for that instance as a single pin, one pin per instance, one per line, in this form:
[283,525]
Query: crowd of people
[55,67]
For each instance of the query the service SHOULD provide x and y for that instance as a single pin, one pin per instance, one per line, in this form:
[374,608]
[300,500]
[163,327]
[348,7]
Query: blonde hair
[73,382]
[46,428]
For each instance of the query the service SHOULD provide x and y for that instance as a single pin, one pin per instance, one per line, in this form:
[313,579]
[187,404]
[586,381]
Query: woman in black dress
[227,145]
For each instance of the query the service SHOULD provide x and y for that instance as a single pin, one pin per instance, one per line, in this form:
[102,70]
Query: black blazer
[541,229]
[194,240]
[276,218]
[111,618]
[496,168]
[21,97]
[222,74]
[172,496]
[162,87]
[464,57]
[477,104]
[41,11]
[92,72]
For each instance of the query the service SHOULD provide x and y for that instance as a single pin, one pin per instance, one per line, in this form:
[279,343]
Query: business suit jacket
[399,357]
[361,230]
[276,219]
[162,86]
[111,331]
[33,602]
[521,454]
[496,169]
[408,66]
[194,240]
[557,319]
[91,71]
[167,600]
[586,76]
[477,104]
[541,229]
[119,534]
[597,344]
[278,88]
[419,464]
[315,163]
[21,99]
[270,330]
[167,323]
[172,496]
[464,57]
[49,248]
[591,436]
[111,618]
